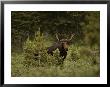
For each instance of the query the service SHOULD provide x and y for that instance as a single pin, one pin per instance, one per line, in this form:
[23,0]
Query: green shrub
[36,52]
[74,53]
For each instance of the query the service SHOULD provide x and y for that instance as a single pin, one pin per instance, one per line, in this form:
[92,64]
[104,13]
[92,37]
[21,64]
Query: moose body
[62,45]
[62,48]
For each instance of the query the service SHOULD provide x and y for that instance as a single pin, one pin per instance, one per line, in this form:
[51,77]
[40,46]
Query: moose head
[64,42]
[62,45]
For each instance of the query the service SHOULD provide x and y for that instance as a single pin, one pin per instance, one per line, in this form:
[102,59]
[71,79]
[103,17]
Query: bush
[36,52]
[74,53]
[84,53]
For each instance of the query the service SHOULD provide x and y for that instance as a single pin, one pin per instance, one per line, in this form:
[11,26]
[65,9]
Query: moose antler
[72,35]
[57,36]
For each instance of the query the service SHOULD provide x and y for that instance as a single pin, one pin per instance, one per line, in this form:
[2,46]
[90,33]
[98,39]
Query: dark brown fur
[62,46]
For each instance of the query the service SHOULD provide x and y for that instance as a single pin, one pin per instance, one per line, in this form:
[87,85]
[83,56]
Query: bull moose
[62,45]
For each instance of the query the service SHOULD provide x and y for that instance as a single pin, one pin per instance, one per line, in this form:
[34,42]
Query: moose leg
[63,55]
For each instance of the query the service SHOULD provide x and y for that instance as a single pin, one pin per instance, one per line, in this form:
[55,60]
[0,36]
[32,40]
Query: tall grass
[82,67]
[81,61]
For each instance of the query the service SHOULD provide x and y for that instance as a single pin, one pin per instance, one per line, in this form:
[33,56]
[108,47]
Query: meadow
[81,61]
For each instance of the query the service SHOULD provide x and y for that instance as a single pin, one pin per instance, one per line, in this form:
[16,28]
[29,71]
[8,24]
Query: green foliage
[17,68]
[91,29]
[36,52]
[84,66]
[85,53]
[26,23]
[80,62]
[33,32]
[74,53]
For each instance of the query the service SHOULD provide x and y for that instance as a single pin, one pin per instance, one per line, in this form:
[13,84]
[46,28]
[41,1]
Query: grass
[80,62]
